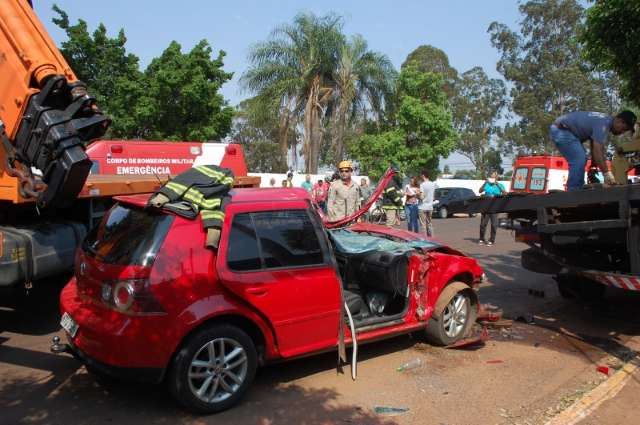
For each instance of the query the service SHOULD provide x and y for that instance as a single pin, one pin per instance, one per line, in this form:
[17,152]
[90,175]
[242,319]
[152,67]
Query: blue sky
[396,28]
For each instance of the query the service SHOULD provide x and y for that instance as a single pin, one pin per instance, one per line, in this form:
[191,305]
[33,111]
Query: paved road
[524,375]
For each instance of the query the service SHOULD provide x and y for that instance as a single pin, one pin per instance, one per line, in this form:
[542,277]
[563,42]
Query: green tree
[111,74]
[477,106]
[548,75]
[176,98]
[256,127]
[182,99]
[428,58]
[423,130]
[363,79]
[611,37]
[296,67]
[446,169]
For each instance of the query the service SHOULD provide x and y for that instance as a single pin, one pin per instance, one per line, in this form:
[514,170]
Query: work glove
[213,237]
[608,178]
[158,200]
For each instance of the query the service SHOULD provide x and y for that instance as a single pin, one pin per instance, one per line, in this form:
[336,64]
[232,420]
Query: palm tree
[363,79]
[296,67]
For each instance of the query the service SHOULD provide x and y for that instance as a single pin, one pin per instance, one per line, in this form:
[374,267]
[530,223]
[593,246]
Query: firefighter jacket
[392,196]
[199,190]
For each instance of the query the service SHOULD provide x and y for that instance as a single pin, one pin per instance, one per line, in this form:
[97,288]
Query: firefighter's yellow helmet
[345,164]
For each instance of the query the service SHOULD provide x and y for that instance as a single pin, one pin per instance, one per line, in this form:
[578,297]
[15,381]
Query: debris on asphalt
[536,293]
[614,363]
[472,342]
[489,313]
[603,369]
[495,361]
[413,364]
[390,411]
[502,323]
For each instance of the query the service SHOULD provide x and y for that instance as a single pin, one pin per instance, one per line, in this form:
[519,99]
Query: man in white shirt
[428,189]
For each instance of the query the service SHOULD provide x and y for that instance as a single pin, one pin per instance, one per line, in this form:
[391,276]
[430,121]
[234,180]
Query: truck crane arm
[46,114]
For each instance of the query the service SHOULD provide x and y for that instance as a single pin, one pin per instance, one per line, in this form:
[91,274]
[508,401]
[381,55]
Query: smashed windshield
[349,242]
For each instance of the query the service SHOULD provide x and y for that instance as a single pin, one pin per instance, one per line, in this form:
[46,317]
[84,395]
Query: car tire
[453,323]
[472,215]
[206,385]
[443,213]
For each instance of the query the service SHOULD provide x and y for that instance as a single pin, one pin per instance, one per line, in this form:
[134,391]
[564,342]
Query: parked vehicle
[150,302]
[444,196]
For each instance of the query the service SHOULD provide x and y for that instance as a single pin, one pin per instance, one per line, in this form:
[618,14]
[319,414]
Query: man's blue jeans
[571,148]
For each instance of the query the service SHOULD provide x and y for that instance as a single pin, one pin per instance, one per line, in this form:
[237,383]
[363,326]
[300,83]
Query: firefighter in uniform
[392,200]
[344,194]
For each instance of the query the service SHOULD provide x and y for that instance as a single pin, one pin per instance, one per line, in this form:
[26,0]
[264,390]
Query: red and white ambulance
[137,157]
[542,173]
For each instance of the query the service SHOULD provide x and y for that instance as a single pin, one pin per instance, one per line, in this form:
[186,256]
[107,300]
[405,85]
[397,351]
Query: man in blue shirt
[569,131]
[490,188]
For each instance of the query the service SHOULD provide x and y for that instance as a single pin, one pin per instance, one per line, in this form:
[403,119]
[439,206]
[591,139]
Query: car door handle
[257,290]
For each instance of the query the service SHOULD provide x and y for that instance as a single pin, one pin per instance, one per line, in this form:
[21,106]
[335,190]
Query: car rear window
[520,178]
[441,193]
[127,236]
[538,178]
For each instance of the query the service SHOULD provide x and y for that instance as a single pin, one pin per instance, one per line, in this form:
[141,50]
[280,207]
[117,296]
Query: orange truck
[48,196]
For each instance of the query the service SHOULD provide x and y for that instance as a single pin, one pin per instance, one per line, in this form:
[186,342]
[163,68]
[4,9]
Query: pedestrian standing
[366,191]
[319,194]
[490,188]
[428,189]
[289,179]
[306,184]
[569,131]
[344,194]
[392,200]
[412,194]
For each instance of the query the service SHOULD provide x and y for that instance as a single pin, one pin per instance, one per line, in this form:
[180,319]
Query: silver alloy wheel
[455,315]
[218,370]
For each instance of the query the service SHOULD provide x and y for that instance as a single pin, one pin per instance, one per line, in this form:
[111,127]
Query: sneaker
[481,242]
[489,243]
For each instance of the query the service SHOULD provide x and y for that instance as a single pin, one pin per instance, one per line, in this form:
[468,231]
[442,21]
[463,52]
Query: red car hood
[404,235]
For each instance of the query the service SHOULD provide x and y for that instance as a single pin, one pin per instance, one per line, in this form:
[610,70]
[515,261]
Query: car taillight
[131,296]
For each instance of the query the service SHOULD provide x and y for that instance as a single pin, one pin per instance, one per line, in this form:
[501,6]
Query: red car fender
[218,306]
[444,269]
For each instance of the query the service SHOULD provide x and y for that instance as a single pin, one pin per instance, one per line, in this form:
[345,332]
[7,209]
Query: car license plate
[69,325]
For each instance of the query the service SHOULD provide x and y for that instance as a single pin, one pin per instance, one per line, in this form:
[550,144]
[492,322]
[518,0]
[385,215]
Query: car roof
[249,194]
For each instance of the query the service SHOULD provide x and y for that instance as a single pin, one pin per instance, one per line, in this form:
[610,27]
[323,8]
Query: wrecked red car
[150,302]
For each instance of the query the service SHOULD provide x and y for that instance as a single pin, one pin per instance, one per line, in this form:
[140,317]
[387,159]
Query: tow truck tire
[454,322]
[571,287]
[219,361]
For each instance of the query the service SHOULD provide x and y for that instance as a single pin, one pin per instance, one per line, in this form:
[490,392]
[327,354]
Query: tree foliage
[428,58]
[311,71]
[548,75]
[112,74]
[423,130]
[176,98]
[477,106]
[611,40]
[256,127]
[182,99]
